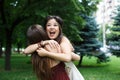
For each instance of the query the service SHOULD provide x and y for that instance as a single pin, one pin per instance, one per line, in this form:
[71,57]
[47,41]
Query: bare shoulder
[66,42]
[65,39]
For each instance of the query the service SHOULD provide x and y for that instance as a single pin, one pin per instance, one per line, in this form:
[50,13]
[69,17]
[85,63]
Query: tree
[90,45]
[1,43]
[19,40]
[1,49]
[21,13]
[114,36]
[14,13]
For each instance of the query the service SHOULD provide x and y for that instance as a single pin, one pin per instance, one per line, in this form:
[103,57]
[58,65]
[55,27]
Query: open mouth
[52,33]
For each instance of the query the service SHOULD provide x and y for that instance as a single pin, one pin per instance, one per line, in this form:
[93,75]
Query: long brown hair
[41,65]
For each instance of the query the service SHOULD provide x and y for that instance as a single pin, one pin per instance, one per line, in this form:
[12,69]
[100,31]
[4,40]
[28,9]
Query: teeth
[52,32]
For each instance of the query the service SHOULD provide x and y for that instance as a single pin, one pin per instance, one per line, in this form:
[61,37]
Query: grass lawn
[22,69]
[104,71]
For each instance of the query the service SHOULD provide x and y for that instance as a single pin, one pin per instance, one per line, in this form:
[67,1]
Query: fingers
[53,44]
[41,52]
[38,50]
[59,49]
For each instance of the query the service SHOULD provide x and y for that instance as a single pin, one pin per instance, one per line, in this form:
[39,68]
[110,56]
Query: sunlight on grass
[22,69]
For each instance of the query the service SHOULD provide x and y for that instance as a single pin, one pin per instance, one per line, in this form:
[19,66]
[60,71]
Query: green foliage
[71,32]
[27,12]
[114,36]
[89,6]
[18,15]
[117,17]
[19,36]
[90,45]
[89,34]
[23,13]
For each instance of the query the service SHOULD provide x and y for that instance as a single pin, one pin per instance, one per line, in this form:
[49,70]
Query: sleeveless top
[59,72]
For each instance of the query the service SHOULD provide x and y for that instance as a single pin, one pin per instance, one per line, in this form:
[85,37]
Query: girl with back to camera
[44,67]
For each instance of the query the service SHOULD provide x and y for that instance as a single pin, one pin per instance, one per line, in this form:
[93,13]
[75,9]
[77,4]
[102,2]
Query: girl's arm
[54,55]
[74,56]
[65,46]
[30,49]
[33,47]
[52,52]
[65,43]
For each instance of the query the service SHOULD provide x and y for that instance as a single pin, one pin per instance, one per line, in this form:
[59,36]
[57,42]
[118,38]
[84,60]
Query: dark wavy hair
[41,65]
[60,22]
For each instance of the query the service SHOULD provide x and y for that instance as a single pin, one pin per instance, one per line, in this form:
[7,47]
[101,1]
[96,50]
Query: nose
[51,27]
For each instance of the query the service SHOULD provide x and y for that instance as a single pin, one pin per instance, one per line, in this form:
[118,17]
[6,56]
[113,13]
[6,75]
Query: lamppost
[103,27]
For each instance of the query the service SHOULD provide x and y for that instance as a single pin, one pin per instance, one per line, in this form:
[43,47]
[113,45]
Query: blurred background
[93,27]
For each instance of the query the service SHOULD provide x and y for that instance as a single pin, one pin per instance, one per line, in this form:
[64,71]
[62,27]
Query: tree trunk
[18,47]
[8,51]
[79,64]
[1,49]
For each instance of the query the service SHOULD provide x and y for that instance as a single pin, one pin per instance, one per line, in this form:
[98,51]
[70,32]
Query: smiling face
[52,28]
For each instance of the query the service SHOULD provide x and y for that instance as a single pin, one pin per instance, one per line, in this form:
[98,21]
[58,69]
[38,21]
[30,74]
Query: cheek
[47,29]
[58,31]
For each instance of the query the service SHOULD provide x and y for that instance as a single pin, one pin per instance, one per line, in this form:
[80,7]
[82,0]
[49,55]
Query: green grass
[22,69]
[104,71]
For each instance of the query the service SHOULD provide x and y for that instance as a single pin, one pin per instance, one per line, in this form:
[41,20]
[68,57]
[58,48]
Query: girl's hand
[42,52]
[52,46]
[52,43]
[45,51]
[56,49]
